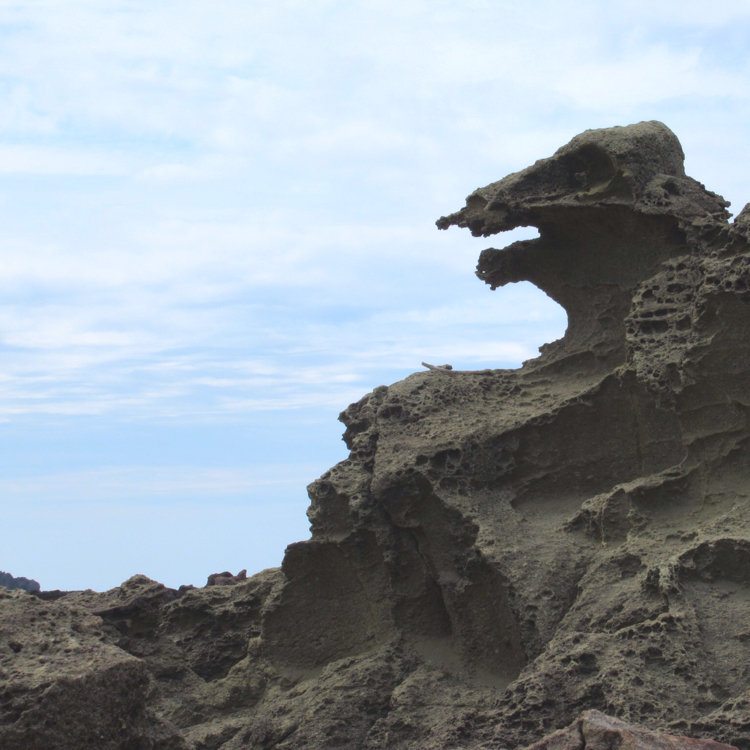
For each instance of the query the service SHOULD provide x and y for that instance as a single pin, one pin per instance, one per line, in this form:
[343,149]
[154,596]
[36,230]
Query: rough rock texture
[63,685]
[595,731]
[502,549]
[9,582]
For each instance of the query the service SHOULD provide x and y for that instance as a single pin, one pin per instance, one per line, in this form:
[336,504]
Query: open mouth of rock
[610,207]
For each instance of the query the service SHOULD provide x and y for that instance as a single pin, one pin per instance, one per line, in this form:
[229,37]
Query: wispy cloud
[148,485]
[225,210]
[23,159]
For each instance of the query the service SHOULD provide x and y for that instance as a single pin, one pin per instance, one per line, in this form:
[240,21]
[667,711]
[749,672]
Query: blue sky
[218,231]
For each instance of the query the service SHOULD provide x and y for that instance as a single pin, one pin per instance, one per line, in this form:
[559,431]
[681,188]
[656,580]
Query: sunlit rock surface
[503,549]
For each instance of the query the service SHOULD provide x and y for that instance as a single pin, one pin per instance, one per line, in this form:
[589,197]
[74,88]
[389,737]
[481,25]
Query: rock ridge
[502,549]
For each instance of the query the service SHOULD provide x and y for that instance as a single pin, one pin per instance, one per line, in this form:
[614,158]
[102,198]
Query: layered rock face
[502,549]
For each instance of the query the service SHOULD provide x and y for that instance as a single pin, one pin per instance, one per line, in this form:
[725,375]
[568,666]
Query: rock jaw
[501,550]
[610,206]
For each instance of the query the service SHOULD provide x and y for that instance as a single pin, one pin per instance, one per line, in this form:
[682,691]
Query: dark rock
[26,584]
[64,687]
[502,549]
[226,578]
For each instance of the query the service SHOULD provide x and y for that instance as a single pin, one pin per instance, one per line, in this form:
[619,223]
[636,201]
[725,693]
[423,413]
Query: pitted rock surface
[595,731]
[502,549]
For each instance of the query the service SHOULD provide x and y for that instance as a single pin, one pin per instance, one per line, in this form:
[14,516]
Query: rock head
[610,207]
[502,549]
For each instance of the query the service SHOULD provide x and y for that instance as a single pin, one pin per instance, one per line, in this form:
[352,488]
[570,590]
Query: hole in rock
[530,317]
[473,327]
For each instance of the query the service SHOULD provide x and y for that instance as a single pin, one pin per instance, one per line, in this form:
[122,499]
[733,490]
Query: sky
[218,231]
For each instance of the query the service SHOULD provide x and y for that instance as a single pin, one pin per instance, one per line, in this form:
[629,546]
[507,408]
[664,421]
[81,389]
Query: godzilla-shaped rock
[502,549]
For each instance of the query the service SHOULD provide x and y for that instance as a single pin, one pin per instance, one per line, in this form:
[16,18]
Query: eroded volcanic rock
[595,731]
[502,549]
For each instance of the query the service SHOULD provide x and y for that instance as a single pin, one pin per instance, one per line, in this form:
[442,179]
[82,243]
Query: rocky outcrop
[226,578]
[64,685]
[502,549]
[9,582]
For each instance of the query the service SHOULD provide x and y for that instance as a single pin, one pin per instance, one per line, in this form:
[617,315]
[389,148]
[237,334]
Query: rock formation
[502,549]
[9,582]
[595,731]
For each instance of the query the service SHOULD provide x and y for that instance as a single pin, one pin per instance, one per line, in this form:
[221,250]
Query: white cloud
[21,159]
[647,75]
[173,171]
[681,13]
[147,484]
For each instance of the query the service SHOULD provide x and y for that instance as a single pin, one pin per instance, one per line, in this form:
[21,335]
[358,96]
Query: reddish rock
[226,578]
